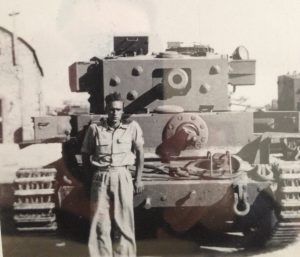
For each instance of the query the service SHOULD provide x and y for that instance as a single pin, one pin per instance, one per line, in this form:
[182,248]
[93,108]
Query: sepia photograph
[139,128]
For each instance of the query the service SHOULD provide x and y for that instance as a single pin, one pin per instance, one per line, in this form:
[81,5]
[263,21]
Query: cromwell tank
[206,168]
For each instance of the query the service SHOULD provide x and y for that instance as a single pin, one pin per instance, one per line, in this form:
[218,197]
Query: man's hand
[138,186]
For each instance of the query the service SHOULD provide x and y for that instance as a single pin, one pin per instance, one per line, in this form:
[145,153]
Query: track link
[287,229]
[34,202]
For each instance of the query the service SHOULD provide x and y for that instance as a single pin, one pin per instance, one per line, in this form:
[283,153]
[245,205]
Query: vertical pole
[14,45]
[1,250]
[19,70]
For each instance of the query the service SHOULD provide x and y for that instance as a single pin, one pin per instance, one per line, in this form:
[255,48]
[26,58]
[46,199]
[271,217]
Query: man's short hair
[113,97]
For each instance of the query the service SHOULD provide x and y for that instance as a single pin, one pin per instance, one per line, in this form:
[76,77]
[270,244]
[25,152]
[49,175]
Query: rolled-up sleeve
[89,142]
[137,133]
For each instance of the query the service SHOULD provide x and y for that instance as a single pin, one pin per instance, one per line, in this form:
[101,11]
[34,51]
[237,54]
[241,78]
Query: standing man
[107,151]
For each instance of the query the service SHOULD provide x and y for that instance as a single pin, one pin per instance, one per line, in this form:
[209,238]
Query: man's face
[115,111]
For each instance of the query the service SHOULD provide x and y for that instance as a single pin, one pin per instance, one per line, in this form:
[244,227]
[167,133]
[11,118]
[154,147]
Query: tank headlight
[240,53]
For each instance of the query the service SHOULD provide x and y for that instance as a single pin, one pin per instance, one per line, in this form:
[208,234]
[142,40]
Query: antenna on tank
[13,14]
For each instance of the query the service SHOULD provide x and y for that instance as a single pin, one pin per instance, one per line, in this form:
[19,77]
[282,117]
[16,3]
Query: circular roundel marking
[195,122]
[177,79]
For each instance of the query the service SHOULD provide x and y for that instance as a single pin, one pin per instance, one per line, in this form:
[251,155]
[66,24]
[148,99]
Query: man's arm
[87,169]
[138,143]
[86,162]
[138,184]
[88,147]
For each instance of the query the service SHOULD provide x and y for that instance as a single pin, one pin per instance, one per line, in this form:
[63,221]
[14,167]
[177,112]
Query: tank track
[34,203]
[287,228]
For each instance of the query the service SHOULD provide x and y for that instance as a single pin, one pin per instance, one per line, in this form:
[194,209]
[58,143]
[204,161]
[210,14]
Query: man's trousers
[112,229]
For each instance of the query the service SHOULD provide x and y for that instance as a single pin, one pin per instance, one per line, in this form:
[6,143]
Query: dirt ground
[164,244]
[51,246]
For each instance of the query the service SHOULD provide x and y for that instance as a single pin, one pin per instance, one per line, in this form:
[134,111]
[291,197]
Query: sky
[65,31]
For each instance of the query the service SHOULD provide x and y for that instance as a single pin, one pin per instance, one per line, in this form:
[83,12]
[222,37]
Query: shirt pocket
[123,145]
[104,147]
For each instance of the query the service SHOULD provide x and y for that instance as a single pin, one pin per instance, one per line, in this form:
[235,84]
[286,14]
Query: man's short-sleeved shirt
[112,147]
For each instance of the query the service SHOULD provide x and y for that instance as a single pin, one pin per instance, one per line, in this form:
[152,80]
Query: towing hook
[241,206]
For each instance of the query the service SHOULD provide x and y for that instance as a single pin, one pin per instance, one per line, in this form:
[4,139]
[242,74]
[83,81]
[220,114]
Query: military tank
[205,166]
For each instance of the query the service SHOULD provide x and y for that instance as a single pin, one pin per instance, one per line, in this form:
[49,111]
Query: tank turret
[168,78]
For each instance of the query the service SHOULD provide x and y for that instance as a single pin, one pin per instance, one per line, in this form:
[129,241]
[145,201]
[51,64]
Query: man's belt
[110,168]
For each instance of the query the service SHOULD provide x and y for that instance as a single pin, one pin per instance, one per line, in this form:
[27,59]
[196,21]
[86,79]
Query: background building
[20,88]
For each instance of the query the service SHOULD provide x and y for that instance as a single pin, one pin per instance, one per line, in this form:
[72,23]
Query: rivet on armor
[163,198]
[204,88]
[193,117]
[137,71]
[215,69]
[115,81]
[132,95]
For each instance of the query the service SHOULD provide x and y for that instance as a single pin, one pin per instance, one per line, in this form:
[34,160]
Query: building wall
[20,88]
